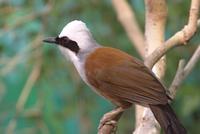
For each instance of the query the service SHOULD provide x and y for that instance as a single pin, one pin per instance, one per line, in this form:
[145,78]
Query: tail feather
[167,119]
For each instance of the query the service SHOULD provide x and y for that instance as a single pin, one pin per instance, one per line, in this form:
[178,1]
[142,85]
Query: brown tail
[167,119]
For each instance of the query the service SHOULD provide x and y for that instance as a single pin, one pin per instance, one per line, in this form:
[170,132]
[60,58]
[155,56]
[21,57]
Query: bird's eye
[67,43]
[63,40]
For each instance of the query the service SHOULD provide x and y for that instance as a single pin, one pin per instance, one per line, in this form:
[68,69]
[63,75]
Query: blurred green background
[41,93]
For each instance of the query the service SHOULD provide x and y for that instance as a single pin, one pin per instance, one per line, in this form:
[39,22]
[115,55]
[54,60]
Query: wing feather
[120,77]
[132,83]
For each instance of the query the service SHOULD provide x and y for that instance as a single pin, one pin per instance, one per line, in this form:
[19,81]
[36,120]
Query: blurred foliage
[59,102]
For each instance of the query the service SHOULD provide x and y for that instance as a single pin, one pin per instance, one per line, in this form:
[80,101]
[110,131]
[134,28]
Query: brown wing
[124,78]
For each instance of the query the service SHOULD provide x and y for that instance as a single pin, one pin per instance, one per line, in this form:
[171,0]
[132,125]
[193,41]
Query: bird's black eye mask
[65,42]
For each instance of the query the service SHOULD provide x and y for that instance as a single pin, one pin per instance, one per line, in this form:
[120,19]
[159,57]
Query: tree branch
[148,124]
[183,71]
[34,75]
[156,14]
[179,38]
[155,25]
[126,17]
[23,97]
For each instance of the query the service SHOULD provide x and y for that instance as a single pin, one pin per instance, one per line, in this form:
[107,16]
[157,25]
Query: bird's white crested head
[74,27]
[75,42]
[77,31]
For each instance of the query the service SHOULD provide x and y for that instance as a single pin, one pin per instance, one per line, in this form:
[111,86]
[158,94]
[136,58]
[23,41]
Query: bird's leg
[111,117]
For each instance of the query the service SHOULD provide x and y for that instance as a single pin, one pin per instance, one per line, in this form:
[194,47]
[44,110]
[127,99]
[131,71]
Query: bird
[117,76]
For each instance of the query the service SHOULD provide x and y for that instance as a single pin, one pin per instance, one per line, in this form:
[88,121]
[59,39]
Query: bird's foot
[112,123]
[108,123]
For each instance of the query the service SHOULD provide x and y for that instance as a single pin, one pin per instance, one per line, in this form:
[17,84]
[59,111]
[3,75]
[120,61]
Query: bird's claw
[112,123]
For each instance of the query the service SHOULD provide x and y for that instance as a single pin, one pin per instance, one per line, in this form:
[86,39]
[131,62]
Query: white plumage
[78,32]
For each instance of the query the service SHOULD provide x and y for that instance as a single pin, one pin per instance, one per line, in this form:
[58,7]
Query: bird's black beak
[51,40]
[64,42]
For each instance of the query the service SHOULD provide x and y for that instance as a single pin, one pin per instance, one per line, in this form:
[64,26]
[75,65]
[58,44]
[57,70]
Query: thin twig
[26,90]
[28,86]
[198,23]
[126,16]
[190,65]
[183,71]
[23,97]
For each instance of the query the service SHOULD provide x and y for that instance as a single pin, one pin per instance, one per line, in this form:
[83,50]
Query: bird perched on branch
[117,76]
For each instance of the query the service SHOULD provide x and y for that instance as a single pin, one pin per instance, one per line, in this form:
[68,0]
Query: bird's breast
[79,64]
